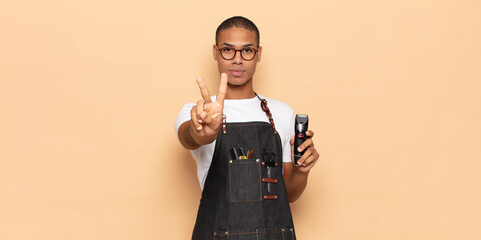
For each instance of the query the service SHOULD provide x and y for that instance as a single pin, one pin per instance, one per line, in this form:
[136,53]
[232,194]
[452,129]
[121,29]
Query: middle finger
[304,157]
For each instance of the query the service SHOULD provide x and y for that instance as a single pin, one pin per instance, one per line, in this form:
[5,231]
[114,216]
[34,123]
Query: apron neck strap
[267,111]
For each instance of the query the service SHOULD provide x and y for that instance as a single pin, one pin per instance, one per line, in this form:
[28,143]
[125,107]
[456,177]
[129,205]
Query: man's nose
[237,58]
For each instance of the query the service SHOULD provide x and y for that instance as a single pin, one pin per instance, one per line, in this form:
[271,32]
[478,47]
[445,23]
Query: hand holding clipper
[301,125]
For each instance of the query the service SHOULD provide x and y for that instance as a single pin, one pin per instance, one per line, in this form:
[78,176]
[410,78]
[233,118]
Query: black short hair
[237,21]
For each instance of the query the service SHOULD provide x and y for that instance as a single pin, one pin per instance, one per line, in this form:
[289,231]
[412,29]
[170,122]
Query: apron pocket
[245,180]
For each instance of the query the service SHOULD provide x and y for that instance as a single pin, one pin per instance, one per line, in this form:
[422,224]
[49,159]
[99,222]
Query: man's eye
[226,49]
[248,50]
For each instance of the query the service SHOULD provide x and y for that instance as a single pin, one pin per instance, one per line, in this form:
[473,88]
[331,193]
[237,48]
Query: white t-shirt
[243,110]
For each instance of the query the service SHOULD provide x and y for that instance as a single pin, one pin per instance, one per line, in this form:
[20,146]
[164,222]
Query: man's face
[239,70]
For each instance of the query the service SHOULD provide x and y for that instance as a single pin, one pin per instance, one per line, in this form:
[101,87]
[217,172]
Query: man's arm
[295,177]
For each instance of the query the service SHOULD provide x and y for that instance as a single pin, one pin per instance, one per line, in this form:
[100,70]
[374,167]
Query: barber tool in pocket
[269,160]
[239,153]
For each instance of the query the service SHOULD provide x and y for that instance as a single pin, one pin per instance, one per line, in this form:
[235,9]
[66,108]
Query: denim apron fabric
[237,203]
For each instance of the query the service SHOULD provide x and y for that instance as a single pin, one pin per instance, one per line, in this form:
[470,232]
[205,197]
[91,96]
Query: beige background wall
[89,91]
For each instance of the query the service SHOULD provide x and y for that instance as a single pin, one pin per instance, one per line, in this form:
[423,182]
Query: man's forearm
[295,185]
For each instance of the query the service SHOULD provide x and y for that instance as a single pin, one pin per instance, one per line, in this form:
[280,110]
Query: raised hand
[206,116]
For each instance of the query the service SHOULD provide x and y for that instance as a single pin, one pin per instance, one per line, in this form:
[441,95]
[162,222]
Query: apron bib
[245,198]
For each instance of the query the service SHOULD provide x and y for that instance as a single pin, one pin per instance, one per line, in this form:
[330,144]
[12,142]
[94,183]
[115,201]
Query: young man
[243,145]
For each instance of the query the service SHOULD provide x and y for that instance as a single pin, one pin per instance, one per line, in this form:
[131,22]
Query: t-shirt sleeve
[286,155]
[183,116]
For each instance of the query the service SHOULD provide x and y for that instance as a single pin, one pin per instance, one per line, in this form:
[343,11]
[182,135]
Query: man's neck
[244,91]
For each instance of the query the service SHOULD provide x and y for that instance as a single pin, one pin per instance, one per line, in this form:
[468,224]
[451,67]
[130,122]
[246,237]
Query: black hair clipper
[302,121]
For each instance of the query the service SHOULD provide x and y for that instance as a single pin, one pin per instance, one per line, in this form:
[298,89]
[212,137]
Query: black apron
[240,199]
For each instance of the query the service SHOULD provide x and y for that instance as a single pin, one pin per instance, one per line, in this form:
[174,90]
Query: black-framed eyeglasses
[247,53]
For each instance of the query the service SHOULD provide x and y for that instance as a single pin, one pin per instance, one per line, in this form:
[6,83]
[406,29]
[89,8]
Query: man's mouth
[236,72]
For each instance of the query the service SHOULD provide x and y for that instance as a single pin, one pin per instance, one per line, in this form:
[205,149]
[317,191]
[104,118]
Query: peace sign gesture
[206,116]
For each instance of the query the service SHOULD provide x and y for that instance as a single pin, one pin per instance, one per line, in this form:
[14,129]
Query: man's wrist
[189,138]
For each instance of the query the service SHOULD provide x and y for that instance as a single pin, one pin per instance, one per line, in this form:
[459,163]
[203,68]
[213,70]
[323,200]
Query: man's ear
[259,53]
[214,51]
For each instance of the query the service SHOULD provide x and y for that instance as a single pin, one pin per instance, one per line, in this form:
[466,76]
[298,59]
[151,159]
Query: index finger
[203,90]
[310,133]
[222,88]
